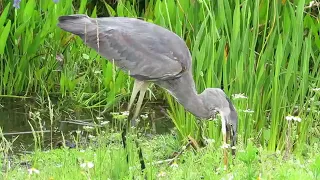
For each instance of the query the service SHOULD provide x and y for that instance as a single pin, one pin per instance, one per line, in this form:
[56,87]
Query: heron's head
[216,100]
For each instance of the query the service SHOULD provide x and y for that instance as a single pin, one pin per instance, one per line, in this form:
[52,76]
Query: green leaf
[82,8]
[236,22]
[20,29]
[4,15]
[4,37]
[35,44]
[120,9]
[94,12]
[28,10]
[249,155]
[111,11]
[316,167]
[85,56]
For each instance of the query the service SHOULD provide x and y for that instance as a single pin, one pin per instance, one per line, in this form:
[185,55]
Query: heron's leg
[136,88]
[139,86]
[224,146]
[143,89]
[135,91]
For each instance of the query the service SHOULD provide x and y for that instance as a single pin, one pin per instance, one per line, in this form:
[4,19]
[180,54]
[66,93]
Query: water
[16,114]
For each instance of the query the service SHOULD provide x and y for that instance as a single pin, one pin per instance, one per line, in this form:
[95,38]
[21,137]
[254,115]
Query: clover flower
[33,170]
[294,118]
[87,165]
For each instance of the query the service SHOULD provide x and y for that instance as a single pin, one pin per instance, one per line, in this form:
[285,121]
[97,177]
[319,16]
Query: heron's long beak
[232,125]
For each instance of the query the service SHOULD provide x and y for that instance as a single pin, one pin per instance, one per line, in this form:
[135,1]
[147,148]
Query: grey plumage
[151,53]
[131,43]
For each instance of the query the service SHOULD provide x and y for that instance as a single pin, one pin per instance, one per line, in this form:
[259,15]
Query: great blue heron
[151,53]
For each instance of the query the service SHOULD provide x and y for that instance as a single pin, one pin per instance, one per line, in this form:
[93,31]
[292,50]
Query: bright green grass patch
[109,161]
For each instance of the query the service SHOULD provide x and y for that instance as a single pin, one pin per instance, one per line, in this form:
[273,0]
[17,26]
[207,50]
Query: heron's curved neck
[183,89]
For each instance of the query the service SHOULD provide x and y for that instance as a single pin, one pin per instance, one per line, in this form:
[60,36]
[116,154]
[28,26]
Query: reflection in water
[19,117]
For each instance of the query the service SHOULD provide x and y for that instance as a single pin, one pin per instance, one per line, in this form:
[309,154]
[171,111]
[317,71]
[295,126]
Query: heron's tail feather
[76,24]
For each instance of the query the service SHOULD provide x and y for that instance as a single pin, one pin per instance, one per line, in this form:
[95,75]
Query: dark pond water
[17,116]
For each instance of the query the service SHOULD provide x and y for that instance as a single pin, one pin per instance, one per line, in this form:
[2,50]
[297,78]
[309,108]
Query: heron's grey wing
[131,54]
[143,56]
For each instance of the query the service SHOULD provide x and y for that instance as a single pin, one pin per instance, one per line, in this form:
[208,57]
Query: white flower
[289,118]
[87,165]
[248,111]
[98,72]
[162,174]
[91,136]
[294,118]
[137,120]
[125,113]
[315,89]
[33,170]
[121,116]
[88,128]
[104,123]
[99,118]
[225,146]
[144,116]
[239,96]
[228,177]
[174,165]
[311,4]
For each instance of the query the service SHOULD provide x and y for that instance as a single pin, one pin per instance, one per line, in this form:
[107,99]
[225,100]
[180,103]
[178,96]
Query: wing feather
[145,54]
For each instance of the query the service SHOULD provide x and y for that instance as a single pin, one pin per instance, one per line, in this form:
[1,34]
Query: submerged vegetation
[264,54]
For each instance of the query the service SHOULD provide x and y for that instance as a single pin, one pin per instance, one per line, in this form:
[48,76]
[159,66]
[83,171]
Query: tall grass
[36,57]
[268,50]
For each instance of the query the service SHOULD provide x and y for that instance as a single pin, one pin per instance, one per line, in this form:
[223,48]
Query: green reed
[36,54]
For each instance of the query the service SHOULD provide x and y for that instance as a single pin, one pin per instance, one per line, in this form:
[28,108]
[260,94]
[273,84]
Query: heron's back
[133,44]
